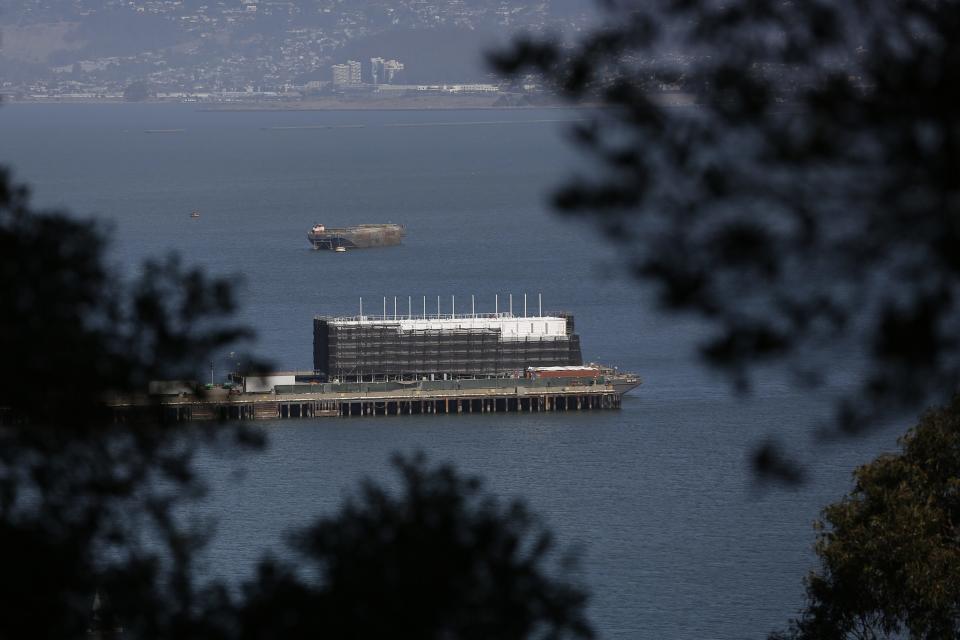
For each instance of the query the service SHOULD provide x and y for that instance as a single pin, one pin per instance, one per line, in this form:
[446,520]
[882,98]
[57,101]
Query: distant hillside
[118,32]
[100,47]
[122,32]
[35,43]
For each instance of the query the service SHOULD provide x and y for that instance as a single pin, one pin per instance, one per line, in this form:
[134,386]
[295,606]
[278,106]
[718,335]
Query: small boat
[195,213]
[341,249]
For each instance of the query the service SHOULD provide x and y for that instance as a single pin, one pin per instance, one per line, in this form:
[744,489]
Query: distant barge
[362,236]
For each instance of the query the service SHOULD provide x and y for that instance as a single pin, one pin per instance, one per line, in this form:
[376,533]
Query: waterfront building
[391,69]
[384,71]
[347,74]
[376,70]
[441,346]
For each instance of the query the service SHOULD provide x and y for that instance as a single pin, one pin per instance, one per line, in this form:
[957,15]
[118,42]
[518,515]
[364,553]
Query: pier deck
[392,402]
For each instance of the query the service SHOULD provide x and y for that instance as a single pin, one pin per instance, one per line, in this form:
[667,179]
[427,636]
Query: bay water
[676,539]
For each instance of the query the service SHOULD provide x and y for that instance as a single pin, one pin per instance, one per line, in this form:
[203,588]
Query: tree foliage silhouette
[890,550]
[88,508]
[787,172]
[441,559]
[79,496]
[804,202]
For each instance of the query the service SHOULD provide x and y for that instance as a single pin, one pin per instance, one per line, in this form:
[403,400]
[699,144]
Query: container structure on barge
[362,236]
[441,346]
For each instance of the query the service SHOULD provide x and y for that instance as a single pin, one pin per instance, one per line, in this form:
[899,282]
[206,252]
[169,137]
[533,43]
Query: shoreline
[413,103]
[393,104]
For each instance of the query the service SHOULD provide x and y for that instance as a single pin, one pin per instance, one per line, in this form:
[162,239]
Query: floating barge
[409,364]
[362,236]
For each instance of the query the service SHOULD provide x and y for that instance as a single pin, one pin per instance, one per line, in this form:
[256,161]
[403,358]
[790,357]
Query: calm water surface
[677,540]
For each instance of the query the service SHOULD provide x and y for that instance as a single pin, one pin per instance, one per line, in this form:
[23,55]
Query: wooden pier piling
[414,401]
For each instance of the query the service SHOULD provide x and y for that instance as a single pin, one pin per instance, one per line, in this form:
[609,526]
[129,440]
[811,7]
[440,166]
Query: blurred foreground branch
[786,171]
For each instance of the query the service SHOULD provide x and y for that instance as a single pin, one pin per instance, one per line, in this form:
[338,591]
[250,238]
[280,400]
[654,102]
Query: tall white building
[390,70]
[376,70]
[384,71]
[346,74]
